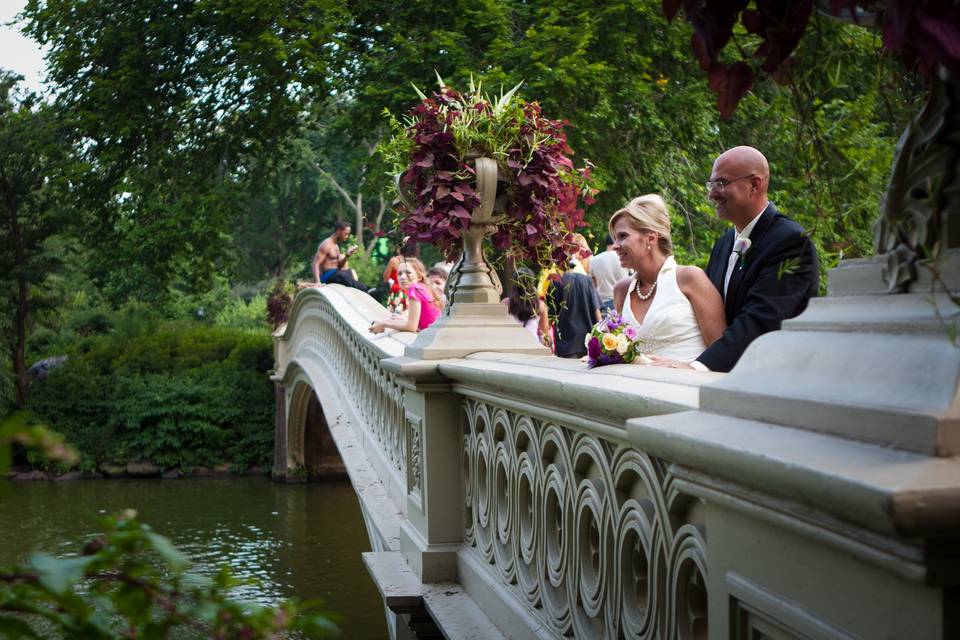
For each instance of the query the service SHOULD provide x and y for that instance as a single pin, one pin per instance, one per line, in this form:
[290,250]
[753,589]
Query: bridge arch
[312,448]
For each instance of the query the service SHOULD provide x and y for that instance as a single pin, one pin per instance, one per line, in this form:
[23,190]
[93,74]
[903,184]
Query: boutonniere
[740,247]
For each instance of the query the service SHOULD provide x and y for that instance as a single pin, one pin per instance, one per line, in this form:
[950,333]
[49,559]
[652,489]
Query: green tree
[170,99]
[281,222]
[35,167]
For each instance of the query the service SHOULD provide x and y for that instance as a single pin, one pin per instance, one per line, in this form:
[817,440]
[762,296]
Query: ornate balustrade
[521,496]
[564,515]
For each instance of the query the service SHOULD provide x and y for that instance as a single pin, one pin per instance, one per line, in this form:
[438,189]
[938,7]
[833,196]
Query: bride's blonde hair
[647,213]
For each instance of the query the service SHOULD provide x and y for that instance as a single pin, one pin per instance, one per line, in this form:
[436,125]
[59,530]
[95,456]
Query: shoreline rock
[113,470]
[69,475]
[28,476]
[143,469]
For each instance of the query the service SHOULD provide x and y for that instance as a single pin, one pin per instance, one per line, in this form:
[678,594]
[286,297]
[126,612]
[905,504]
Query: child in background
[437,278]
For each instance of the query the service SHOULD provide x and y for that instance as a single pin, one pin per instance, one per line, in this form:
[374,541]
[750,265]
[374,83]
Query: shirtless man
[329,262]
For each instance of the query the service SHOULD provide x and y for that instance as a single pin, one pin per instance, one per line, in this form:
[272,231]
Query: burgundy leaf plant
[541,194]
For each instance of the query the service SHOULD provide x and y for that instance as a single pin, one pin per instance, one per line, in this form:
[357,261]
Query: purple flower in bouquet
[593,348]
[608,358]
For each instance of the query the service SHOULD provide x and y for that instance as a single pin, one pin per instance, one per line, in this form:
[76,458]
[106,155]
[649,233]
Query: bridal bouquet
[613,341]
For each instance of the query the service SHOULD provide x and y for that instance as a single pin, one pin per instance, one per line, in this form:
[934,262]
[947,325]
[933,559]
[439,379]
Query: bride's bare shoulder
[690,276]
[622,285]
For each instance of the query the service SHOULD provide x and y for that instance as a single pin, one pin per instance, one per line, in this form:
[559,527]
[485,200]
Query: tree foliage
[178,394]
[35,168]
[192,129]
[766,33]
[169,99]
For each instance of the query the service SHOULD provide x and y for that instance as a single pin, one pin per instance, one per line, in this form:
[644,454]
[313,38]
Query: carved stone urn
[475,318]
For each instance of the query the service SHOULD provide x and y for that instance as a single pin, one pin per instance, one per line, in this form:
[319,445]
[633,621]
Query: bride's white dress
[670,327]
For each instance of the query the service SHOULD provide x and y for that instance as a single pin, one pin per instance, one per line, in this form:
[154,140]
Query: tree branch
[376,222]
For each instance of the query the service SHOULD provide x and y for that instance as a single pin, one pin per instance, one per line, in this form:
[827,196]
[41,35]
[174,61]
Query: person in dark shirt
[576,305]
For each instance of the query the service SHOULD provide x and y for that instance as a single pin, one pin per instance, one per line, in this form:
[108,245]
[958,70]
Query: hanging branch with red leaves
[923,32]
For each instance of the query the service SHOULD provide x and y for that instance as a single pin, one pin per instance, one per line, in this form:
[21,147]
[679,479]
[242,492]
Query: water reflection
[295,540]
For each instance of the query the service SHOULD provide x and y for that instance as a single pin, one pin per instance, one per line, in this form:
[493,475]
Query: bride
[676,308]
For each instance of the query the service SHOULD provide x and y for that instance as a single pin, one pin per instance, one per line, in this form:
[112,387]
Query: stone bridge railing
[522,496]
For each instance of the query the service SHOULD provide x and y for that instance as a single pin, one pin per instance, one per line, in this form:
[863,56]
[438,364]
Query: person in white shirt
[675,308]
[606,271]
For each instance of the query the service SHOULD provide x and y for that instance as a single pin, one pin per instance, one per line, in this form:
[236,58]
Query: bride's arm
[706,301]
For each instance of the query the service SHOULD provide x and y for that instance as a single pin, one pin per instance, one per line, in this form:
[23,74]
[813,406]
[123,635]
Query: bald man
[765,267]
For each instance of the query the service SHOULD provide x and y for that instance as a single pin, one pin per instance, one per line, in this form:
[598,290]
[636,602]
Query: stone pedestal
[476,319]
[471,327]
[433,529]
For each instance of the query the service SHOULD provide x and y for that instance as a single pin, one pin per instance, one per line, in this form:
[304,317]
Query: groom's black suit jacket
[773,282]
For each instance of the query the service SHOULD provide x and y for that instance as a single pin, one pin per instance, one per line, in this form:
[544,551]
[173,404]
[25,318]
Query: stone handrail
[563,513]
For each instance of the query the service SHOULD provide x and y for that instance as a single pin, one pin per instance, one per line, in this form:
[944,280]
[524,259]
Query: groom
[765,268]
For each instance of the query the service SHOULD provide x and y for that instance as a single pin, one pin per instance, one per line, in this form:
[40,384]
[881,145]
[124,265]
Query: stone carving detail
[415,471]
[373,392]
[921,206]
[590,534]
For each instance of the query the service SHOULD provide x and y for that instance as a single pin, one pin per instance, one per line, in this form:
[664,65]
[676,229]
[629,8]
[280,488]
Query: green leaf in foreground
[132,582]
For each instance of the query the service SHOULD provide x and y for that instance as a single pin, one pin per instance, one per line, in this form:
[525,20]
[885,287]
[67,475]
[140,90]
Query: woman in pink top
[424,306]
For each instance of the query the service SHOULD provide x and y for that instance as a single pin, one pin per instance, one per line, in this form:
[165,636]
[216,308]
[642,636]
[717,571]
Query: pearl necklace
[644,296]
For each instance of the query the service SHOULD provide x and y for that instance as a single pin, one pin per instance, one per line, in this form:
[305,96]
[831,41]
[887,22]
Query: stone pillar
[433,529]
[279,471]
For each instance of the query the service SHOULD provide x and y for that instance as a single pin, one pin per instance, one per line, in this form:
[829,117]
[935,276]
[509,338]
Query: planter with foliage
[539,193]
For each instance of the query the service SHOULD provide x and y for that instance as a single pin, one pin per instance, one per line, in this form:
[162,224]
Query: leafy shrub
[278,305]
[43,342]
[89,321]
[135,319]
[183,394]
[369,271]
[243,315]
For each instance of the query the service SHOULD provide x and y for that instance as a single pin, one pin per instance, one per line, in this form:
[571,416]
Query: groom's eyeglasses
[721,184]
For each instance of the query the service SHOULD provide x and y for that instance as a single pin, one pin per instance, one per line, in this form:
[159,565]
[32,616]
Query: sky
[18,53]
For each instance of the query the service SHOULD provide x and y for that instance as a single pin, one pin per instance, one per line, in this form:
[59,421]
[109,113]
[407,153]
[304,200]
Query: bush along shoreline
[163,399]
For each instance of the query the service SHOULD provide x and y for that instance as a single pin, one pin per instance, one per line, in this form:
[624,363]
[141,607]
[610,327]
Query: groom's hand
[660,361]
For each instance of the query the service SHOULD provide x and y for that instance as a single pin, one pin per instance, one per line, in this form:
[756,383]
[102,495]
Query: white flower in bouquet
[623,343]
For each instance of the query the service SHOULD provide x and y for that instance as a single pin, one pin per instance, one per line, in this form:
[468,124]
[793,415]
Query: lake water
[296,540]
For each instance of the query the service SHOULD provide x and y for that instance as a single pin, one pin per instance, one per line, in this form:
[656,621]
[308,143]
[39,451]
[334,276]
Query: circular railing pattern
[588,533]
